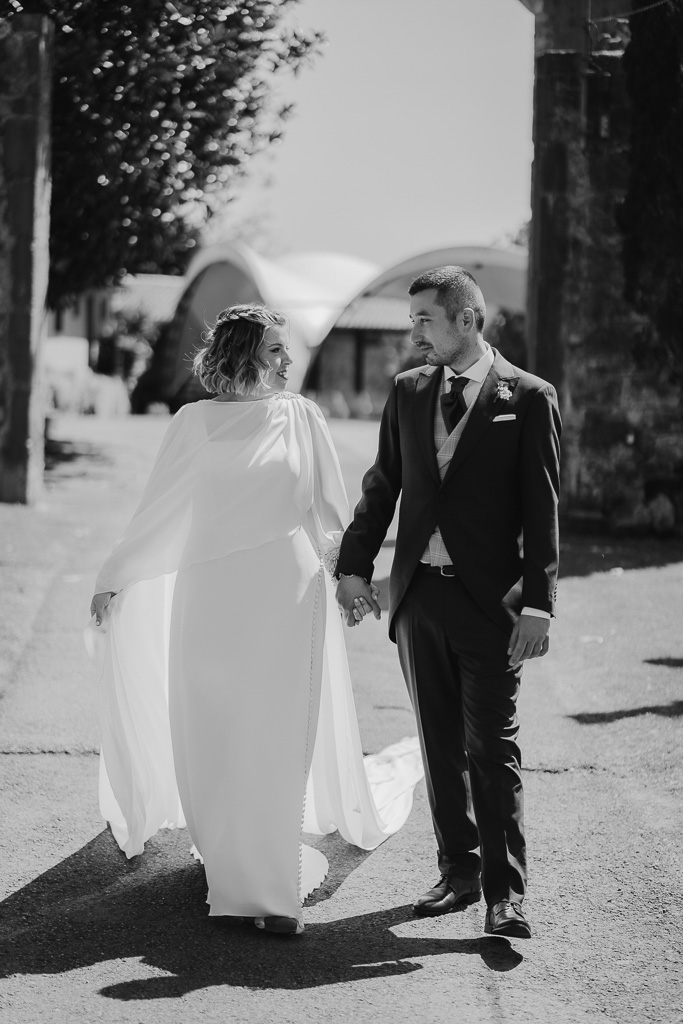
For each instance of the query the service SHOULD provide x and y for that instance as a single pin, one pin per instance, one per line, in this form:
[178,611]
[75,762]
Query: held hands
[99,603]
[529,639]
[356,598]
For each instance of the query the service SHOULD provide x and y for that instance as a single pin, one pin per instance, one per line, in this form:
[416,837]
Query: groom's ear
[468,320]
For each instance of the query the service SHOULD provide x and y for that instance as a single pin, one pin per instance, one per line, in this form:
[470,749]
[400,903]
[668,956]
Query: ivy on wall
[651,217]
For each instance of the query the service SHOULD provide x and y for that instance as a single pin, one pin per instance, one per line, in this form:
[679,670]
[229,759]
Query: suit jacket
[496,507]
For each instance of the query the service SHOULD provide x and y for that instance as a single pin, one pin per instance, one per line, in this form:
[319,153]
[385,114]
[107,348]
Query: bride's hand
[99,603]
[356,599]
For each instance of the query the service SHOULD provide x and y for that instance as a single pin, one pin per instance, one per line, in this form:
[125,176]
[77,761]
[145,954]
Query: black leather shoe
[280,925]
[506,918]
[449,893]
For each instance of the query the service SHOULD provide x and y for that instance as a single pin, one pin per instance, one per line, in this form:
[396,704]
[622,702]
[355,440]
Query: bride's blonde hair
[228,361]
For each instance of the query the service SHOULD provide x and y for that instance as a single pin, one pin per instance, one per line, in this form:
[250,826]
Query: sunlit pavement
[87,936]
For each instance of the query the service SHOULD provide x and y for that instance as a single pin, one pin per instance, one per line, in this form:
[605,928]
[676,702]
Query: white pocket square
[504,417]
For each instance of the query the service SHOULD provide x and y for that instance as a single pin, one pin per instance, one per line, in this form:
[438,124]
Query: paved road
[87,936]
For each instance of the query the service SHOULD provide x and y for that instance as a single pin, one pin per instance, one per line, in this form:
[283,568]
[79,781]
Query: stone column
[582,336]
[25,93]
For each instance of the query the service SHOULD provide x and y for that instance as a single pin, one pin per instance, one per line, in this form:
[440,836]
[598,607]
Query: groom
[471,443]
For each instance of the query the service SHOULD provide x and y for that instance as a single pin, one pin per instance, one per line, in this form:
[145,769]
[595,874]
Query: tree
[651,217]
[157,107]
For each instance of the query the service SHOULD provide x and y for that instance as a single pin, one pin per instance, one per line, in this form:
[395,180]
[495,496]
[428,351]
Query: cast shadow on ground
[582,555]
[62,454]
[97,907]
[666,662]
[672,710]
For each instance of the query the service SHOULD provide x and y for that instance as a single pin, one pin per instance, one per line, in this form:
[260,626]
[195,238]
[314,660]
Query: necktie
[453,405]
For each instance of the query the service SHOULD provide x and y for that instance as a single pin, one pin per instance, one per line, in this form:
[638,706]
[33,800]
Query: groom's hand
[529,639]
[356,598]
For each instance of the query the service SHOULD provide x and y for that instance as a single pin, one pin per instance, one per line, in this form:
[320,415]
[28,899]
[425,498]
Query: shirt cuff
[348,576]
[537,612]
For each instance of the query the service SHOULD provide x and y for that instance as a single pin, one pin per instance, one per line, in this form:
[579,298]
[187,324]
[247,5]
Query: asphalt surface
[87,936]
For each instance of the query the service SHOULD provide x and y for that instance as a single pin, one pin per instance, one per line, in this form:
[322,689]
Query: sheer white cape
[237,482]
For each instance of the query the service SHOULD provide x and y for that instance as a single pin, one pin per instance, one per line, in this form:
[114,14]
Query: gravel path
[87,936]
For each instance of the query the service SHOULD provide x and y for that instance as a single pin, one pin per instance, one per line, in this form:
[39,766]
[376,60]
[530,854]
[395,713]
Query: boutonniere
[504,391]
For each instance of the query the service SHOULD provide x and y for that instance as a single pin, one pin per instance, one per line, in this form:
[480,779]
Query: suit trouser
[464,693]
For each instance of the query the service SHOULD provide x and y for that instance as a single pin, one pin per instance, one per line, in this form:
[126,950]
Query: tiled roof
[376,313]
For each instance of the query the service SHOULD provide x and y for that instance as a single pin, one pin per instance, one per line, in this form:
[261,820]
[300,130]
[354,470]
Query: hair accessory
[253,314]
[225,316]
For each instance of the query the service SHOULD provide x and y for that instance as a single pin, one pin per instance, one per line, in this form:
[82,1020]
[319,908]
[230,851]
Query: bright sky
[411,131]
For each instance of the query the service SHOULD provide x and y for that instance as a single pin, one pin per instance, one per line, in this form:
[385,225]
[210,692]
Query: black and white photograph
[341,511]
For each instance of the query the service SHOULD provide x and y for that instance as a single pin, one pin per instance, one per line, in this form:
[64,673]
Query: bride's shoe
[280,925]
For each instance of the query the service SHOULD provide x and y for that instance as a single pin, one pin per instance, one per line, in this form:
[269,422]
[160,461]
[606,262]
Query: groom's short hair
[456,290]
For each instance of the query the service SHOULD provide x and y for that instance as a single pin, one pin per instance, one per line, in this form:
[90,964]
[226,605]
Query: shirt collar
[477,371]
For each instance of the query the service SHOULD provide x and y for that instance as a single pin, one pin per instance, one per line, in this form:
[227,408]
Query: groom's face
[440,340]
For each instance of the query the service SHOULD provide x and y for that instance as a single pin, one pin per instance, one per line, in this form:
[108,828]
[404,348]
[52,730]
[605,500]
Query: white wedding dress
[225,698]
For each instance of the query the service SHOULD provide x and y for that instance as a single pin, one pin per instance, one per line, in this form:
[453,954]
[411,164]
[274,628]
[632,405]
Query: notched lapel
[489,403]
[426,392]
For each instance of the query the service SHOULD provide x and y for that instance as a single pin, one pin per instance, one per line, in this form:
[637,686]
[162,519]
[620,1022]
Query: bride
[225,699]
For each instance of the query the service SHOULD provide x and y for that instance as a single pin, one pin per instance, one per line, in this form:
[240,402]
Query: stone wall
[25,46]
[623,429]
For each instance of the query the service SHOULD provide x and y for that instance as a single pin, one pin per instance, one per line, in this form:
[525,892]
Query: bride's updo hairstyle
[228,362]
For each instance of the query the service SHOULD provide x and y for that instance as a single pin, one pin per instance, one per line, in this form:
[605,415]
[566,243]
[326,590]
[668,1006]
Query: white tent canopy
[314,288]
[311,289]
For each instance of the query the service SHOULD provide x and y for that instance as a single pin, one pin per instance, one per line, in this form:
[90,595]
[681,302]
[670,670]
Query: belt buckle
[448,575]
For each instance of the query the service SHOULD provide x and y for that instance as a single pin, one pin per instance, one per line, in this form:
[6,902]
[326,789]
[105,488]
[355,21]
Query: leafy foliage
[157,107]
[651,217]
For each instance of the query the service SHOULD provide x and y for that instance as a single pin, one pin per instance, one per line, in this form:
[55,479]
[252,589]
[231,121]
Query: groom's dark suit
[496,508]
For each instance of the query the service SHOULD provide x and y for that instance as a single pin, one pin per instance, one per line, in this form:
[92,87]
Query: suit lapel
[426,393]
[489,403]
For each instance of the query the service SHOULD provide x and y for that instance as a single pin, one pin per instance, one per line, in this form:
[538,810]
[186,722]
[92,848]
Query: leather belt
[439,570]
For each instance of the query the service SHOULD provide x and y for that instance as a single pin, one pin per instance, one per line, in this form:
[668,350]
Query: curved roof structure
[500,273]
[311,289]
[331,270]
[316,290]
